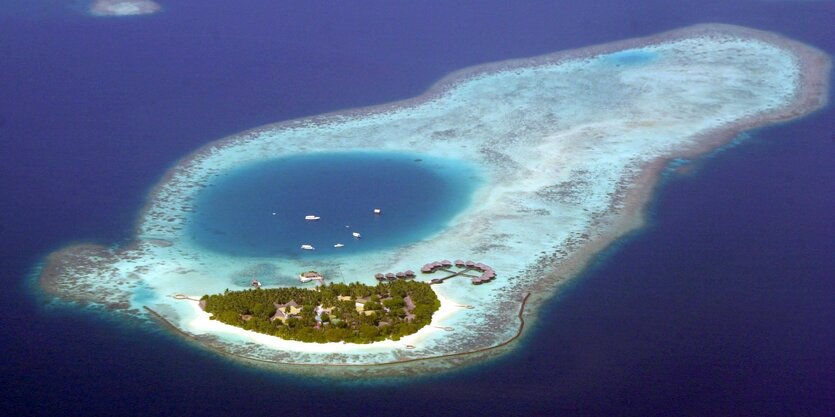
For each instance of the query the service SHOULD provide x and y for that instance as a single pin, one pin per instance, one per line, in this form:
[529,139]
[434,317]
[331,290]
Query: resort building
[310,276]
[486,272]
[286,311]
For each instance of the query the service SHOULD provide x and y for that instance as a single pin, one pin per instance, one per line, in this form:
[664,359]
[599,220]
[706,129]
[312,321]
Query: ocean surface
[721,306]
[260,209]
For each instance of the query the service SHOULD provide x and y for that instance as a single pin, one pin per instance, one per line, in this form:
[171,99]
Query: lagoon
[258,210]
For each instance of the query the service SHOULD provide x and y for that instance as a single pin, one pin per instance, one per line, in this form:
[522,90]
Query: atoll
[571,144]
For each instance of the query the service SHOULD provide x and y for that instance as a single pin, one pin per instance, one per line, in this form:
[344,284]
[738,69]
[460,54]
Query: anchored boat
[311,217]
[308,247]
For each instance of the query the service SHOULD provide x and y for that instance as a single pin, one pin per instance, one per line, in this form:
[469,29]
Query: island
[569,146]
[353,313]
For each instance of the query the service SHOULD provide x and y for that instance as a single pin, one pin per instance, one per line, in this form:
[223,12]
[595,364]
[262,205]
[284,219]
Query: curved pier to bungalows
[478,272]
[483,273]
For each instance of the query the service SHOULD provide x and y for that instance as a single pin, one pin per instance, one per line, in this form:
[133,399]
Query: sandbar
[123,7]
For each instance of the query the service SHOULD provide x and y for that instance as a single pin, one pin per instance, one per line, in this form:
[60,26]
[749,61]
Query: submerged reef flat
[123,7]
[571,145]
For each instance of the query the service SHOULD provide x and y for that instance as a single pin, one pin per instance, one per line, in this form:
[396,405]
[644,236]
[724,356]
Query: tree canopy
[354,313]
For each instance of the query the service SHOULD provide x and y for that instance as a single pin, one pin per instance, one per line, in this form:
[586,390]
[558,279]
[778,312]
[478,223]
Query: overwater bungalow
[459,263]
[410,274]
[310,276]
[390,276]
[469,264]
[380,276]
[446,264]
[400,275]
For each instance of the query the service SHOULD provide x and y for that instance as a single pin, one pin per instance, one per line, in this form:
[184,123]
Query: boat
[378,211]
[311,217]
[357,235]
[308,247]
[338,245]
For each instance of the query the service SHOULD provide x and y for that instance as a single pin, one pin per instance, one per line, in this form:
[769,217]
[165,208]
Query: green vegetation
[354,313]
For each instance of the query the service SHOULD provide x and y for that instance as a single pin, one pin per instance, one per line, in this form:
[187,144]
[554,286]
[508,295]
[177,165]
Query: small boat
[311,217]
[308,247]
[338,245]
[357,235]
[378,211]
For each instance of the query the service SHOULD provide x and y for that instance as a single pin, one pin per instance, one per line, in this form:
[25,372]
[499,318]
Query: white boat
[357,235]
[311,217]
[378,211]
[308,247]
[338,245]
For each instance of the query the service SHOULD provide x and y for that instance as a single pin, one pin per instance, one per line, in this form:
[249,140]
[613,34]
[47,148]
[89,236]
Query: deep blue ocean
[721,306]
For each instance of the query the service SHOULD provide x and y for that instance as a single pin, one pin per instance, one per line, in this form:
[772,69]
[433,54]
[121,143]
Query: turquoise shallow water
[630,57]
[260,210]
